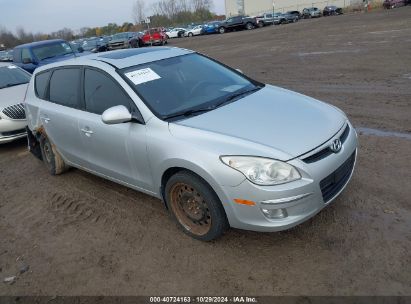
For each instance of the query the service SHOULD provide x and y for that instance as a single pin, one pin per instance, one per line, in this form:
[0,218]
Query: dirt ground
[82,235]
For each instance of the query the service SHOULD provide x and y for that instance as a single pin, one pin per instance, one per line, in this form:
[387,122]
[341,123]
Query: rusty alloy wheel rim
[190,209]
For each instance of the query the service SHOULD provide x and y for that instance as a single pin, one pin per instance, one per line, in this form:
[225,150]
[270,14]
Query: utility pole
[273,12]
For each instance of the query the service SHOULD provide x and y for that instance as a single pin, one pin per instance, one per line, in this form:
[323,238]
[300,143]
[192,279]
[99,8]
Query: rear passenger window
[101,92]
[41,83]
[65,87]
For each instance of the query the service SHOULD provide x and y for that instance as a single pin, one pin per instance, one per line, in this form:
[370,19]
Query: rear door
[238,22]
[117,151]
[59,116]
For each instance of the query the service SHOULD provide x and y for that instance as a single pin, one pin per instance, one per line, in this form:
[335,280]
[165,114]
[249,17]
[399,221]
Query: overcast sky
[52,15]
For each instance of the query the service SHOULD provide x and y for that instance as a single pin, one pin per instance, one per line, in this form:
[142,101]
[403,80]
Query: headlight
[262,171]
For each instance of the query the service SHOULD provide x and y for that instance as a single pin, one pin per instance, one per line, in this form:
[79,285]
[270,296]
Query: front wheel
[249,26]
[221,30]
[190,35]
[195,206]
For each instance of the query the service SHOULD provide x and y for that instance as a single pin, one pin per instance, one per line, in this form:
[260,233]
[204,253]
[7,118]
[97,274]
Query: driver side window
[101,92]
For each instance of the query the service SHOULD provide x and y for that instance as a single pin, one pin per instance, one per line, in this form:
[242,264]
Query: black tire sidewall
[50,165]
[219,222]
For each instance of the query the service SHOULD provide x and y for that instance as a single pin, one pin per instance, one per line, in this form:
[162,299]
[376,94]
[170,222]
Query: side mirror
[120,114]
[116,115]
[238,70]
[27,60]
[80,49]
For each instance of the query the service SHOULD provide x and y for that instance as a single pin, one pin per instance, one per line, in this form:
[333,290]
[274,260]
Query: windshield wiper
[189,113]
[236,95]
[202,110]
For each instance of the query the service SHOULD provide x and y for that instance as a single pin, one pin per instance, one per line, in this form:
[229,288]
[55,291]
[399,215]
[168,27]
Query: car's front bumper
[11,129]
[156,41]
[297,201]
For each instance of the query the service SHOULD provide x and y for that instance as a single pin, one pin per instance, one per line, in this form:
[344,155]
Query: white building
[255,7]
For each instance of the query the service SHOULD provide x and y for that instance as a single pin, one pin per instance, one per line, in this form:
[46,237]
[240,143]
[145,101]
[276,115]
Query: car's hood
[13,95]
[276,118]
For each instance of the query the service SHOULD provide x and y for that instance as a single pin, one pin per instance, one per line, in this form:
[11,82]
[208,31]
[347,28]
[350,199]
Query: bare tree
[139,11]
[199,5]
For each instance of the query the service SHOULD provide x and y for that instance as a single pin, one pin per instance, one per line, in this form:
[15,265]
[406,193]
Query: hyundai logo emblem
[336,146]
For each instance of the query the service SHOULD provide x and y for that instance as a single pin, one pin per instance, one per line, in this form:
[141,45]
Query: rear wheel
[51,157]
[195,206]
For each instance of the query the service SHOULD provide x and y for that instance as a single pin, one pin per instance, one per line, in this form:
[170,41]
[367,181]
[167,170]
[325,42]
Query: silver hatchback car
[219,148]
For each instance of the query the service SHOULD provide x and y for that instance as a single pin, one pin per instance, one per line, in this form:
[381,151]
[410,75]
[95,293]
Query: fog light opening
[275,214]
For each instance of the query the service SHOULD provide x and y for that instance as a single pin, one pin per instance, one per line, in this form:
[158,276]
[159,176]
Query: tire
[167,37]
[249,26]
[221,30]
[195,207]
[51,158]
[260,24]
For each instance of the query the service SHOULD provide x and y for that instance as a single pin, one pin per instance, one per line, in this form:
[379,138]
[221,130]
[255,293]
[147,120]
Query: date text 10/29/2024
[204,299]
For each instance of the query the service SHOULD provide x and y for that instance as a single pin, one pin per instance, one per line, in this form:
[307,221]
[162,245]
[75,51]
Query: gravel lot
[82,235]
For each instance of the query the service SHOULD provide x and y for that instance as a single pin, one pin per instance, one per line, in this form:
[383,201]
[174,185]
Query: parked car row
[242,22]
[388,4]
[6,55]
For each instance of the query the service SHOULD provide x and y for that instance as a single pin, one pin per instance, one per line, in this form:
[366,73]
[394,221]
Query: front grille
[15,132]
[334,182]
[327,151]
[15,111]
[117,45]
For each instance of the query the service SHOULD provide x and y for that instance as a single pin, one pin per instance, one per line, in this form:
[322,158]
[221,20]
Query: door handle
[87,132]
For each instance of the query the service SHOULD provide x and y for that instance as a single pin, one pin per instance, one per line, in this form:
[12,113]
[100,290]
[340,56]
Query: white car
[13,86]
[175,33]
[195,31]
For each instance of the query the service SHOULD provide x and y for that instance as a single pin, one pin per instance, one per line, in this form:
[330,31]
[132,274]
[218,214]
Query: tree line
[161,13]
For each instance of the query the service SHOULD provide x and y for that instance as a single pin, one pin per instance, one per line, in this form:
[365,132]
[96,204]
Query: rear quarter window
[41,83]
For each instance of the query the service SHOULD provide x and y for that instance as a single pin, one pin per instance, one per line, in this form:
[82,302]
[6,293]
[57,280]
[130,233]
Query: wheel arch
[183,165]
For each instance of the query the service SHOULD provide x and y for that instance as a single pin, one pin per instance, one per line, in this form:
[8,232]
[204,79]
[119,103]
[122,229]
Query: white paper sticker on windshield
[142,76]
[12,67]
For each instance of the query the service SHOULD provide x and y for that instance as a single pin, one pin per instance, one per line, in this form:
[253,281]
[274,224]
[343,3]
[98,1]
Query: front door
[117,151]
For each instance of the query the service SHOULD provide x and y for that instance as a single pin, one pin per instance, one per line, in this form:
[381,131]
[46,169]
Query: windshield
[184,84]
[11,76]
[52,50]
[120,36]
